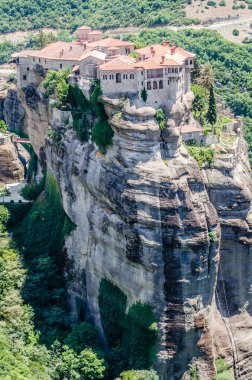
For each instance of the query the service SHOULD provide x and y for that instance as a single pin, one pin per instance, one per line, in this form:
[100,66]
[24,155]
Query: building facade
[163,72]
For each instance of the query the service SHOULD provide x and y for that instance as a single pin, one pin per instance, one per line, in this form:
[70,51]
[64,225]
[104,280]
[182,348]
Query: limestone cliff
[150,221]
[13,158]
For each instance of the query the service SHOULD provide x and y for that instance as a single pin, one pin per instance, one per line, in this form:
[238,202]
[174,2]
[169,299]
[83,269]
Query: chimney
[151,49]
[153,53]
[173,49]
[70,48]
[162,59]
[166,43]
[61,53]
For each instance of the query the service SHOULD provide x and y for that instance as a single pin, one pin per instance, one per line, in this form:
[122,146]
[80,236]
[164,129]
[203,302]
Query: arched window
[118,78]
[154,85]
[161,86]
[148,85]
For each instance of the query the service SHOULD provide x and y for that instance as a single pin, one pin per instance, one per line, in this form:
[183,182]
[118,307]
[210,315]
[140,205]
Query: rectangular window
[24,77]
[191,62]
[33,59]
[28,68]
[39,60]
[61,65]
[169,70]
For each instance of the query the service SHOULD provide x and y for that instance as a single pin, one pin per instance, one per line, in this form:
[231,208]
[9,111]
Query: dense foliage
[132,333]
[28,14]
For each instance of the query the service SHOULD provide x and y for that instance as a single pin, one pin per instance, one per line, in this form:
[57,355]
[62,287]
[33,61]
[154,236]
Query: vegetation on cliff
[89,118]
[131,335]
[37,338]
[231,64]
[27,14]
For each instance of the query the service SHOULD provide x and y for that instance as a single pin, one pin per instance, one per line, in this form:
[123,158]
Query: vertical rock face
[231,194]
[143,219]
[11,168]
[13,112]
[148,220]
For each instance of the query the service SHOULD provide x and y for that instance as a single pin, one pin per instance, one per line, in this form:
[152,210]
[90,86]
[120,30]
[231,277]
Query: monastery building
[162,70]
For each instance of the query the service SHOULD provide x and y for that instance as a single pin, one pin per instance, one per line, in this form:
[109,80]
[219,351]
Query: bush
[138,375]
[102,135]
[32,190]
[222,3]
[223,370]
[211,3]
[202,155]
[235,32]
[160,116]
[3,126]
[82,336]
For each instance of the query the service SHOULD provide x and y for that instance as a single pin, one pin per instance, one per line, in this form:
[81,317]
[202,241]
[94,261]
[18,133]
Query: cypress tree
[212,111]
[144,94]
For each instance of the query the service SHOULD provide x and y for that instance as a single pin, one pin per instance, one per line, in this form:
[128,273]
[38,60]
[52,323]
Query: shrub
[102,135]
[202,155]
[235,32]
[31,191]
[194,373]
[3,126]
[211,3]
[138,375]
[82,336]
[223,370]
[222,3]
[160,116]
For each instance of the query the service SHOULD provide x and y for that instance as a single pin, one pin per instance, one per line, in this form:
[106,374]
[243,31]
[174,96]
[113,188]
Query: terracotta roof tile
[110,42]
[120,63]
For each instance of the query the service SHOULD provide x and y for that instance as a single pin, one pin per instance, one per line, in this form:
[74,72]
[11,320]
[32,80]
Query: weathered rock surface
[11,168]
[152,223]
[13,112]
[143,222]
[231,194]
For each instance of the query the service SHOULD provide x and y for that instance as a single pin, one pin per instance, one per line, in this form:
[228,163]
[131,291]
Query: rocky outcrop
[143,221]
[13,112]
[231,194]
[13,161]
[148,220]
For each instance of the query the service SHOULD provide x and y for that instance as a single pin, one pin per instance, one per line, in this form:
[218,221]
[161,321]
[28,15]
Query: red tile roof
[110,42]
[121,63]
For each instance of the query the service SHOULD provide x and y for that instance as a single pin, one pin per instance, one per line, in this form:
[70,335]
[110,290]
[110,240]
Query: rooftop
[110,42]
[123,62]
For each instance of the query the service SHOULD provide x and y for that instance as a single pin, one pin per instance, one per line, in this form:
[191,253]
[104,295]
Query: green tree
[212,111]
[144,95]
[199,105]
[82,336]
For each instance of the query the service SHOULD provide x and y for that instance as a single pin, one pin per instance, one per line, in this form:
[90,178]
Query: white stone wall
[88,67]
[109,85]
